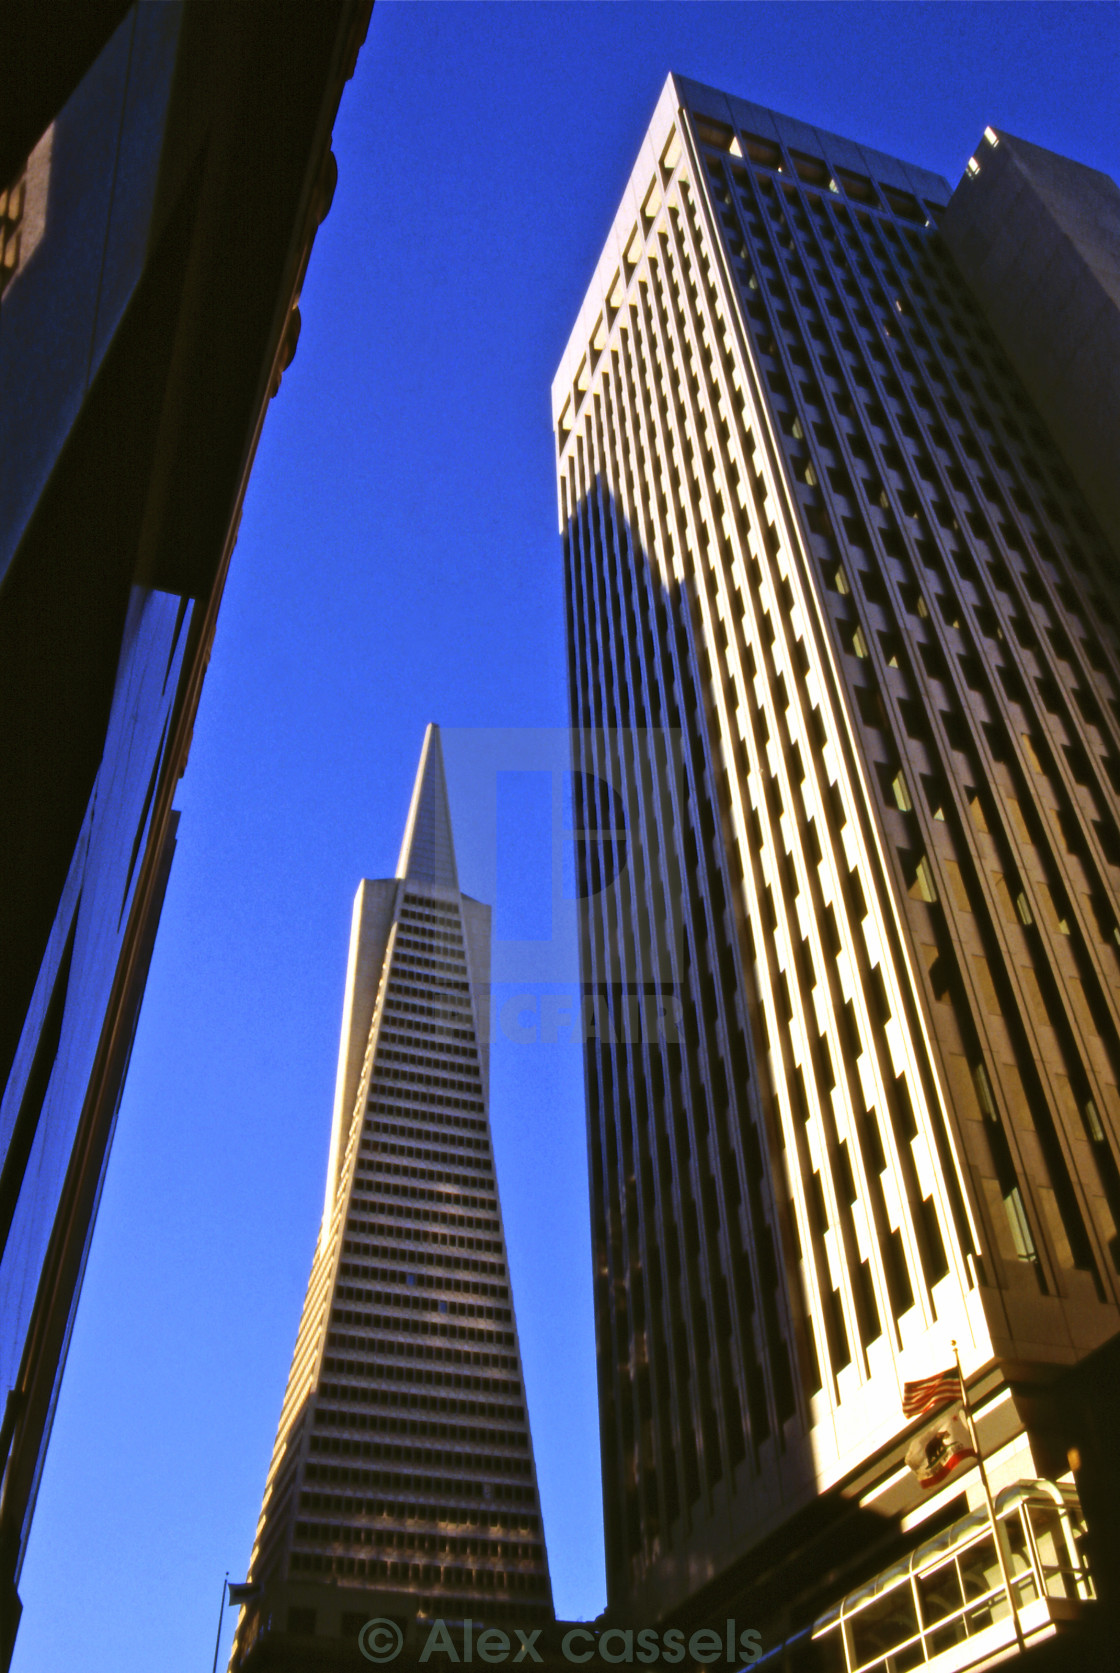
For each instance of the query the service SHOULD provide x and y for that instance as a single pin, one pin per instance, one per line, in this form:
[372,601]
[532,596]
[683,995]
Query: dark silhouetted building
[164,170]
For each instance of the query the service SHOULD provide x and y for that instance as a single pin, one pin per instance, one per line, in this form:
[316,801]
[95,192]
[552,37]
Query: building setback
[1037,237]
[813,525]
[402,1482]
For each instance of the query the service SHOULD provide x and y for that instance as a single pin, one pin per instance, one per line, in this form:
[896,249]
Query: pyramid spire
[413,1065]
[428,852]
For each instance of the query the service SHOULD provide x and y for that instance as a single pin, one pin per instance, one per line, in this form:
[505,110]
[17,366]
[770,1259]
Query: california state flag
[940,1449]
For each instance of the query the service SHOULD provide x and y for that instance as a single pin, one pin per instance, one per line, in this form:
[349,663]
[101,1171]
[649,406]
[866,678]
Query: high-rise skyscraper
[402,1481]
[812,524]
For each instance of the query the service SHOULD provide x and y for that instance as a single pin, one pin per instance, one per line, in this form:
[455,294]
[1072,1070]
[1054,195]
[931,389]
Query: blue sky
[398,562]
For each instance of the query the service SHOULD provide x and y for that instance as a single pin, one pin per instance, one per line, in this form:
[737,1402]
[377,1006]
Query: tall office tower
[812,524]
[163,173]
[402,1480]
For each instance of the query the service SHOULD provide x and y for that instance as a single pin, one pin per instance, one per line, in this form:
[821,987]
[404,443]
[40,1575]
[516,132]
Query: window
[901,793]
[922,885]
[810,169]
[718,135]
[670,157]
[1019,1226]
[763,151]
[904,204]
[856,186]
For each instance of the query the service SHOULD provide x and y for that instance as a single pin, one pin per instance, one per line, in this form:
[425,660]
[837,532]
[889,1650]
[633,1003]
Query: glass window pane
[1021,1565]
[980,1577]
[939,1593]
[888,1621]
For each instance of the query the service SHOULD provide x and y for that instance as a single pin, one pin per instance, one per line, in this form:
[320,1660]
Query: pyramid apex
[428,851]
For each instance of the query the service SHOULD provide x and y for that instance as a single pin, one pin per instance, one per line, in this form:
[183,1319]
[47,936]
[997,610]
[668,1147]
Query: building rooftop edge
[681,91]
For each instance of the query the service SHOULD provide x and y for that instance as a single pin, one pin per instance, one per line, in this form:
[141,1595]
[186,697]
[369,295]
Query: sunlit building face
[814,528]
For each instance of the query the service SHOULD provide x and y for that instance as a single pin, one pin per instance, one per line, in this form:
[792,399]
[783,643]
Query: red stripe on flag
[943,1448]
[930,1392]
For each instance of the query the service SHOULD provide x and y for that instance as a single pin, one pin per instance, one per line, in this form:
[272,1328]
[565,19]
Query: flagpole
[1003,1566]
[221,1618]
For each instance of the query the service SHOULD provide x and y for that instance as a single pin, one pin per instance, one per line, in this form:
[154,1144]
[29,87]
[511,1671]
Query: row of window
[410,954]
[423,1303]
[415,1327]
[432,1239]
[425,1061]
[445,1545]
[373,1370]
[421,910]
[397,1510]
[445,1254]
[413,973]
[455,1462]
[412,1131]
[345,1417]
[400,1575]
[377,1106]
[366,1480]
[438,1049]
[412,1083]
[440,933]
[454,1011]
[451,1282]
[413,1399]
[790,164]
[379,1167]
[377,1196]
[411,1351]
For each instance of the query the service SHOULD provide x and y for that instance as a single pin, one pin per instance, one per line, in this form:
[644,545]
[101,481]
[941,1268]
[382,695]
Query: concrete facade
[1037,237]
[813,525]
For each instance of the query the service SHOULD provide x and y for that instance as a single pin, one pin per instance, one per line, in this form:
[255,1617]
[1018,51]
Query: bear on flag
[940,1449]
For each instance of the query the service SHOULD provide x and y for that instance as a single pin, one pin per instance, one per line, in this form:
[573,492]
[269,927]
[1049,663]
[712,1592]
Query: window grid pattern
[810,521]
[914,440]
[405,1410]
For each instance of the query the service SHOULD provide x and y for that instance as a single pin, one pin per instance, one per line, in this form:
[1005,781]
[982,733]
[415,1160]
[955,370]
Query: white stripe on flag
[929,1393]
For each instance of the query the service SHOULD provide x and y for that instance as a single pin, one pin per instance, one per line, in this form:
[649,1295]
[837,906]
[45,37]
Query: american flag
[931,1393]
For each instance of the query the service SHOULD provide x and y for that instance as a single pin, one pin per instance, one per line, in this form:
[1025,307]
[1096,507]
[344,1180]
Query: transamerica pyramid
[402,1482]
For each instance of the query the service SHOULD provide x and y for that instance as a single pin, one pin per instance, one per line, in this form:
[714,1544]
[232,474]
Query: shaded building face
[812,522]
[402,1482]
